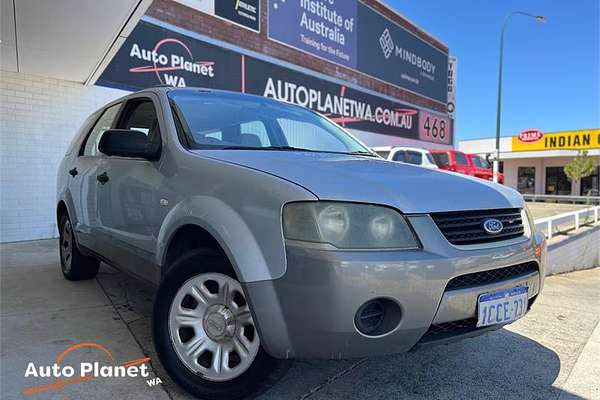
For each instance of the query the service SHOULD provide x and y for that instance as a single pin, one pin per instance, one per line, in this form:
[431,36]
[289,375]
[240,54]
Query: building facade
[357,61]
[533,162]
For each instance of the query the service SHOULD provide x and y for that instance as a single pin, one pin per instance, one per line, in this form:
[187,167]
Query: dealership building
[533,162]
[359,62]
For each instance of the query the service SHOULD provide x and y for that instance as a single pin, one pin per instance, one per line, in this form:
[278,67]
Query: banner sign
[452,71]
[350,108]
[352,34]
[326,29]
[391,53]
[153,55]
[245,13]
[534,140]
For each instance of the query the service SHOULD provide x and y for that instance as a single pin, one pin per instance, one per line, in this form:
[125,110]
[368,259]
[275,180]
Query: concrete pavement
[554,352]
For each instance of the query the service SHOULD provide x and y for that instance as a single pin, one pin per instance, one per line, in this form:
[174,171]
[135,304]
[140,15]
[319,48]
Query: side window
[461,159]
[400,155]
[441,159]
[103,124]
[413,157]
[384,154]
[140,115]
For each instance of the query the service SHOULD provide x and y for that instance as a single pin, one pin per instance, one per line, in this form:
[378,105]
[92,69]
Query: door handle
[102,178]
[73,172]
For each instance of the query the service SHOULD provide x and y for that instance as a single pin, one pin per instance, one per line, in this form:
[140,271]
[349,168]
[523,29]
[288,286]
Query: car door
[83,185]
[130,202]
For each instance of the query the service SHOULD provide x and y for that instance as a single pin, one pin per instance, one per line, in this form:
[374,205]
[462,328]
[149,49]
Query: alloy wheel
[66,246]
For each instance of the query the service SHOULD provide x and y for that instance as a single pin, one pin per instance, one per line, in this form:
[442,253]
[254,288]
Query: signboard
[153,55]
[324,29]
[245,13]
[434,128]
[568,140]
[352,34]
[452,71]
[348,107]
[391,53]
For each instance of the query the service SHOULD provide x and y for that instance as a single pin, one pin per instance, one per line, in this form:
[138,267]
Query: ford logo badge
[492,226]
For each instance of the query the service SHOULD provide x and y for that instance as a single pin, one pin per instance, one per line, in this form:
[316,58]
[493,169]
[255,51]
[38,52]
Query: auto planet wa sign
[154,56]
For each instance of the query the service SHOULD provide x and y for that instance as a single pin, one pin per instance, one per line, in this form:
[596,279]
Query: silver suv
[272,233]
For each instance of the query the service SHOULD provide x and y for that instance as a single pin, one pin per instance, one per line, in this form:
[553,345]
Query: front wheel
[204,332]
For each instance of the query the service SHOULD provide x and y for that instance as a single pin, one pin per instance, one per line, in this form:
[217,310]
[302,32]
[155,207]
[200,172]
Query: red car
[468,164]
[482,168]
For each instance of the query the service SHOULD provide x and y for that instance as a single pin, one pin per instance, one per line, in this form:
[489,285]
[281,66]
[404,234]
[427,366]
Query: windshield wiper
[273,148]
[363,153]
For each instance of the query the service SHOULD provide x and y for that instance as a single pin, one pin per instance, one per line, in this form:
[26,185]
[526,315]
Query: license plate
[502,306]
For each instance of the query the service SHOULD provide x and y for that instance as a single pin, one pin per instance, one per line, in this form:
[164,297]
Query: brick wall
[38,118]
[187,18]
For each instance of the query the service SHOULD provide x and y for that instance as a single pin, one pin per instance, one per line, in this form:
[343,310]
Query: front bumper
[309,312]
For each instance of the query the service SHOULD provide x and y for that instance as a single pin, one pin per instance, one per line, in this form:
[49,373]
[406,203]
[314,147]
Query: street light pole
[538,18]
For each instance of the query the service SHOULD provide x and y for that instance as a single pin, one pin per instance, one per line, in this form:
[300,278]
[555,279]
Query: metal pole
[496,165]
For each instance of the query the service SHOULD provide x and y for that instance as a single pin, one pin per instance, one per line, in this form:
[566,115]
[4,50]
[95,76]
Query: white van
[409,155]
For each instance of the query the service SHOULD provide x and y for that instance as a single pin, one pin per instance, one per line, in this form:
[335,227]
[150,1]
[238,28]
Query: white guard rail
[562,199]
[573,219]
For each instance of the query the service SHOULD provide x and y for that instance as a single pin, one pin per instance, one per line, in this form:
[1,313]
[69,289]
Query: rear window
[461,159]
[441,159]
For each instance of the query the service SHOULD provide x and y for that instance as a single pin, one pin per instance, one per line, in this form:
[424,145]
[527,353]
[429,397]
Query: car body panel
[336,177]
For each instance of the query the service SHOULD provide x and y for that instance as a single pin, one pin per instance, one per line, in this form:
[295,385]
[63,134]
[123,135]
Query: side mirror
[128,143]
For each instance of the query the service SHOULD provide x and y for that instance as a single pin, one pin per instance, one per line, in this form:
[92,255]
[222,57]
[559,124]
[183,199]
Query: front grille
[447,329]
[492,276]
[466,227]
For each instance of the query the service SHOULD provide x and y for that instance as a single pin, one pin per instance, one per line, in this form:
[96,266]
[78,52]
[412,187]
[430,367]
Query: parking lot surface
[553,353]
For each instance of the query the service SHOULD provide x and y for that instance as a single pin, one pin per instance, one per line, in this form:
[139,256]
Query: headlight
[527,226]
[347,225]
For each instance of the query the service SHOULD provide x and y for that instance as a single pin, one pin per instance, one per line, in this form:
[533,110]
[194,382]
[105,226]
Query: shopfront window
[557,182]
[590,185]
[526,180]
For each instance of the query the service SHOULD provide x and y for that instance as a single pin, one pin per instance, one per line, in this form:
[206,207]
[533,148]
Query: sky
[551,69]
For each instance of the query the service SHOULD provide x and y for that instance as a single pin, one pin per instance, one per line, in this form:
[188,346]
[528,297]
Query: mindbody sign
[154,55]
[533,140]
[352,34]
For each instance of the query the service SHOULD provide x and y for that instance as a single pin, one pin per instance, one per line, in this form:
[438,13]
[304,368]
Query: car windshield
[227,121]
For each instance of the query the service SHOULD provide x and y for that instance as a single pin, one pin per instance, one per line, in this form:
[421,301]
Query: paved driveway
[554,352]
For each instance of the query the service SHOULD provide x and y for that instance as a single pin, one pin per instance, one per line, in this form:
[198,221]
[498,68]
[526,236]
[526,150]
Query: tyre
[204,333]
[74,265]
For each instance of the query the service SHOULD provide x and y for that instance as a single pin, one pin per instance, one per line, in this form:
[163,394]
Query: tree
[580,166]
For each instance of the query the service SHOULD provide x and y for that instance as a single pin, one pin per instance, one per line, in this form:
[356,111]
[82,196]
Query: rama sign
[534,140]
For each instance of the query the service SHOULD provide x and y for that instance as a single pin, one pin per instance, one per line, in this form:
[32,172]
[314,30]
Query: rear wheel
[204,332]
[74,265]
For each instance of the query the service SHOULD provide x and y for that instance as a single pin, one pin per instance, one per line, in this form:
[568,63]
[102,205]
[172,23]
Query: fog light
[369,317]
